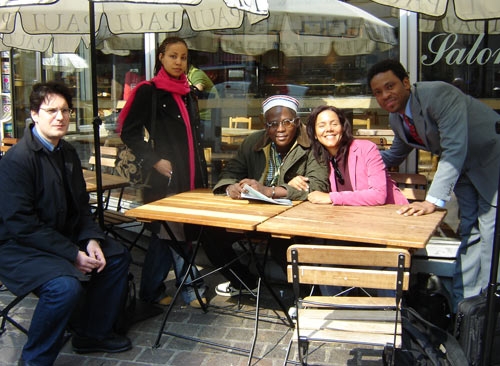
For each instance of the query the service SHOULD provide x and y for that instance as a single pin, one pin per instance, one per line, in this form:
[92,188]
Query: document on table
[251,194]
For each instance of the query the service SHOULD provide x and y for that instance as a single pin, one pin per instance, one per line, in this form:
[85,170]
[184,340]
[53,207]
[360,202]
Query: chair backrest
[109,154]
[235,122]
[333,265]
[361,122]
[413,186]
[7,143]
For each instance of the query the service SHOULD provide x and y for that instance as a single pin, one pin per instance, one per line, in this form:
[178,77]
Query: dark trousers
[218,246]
[97,304]
[160,258]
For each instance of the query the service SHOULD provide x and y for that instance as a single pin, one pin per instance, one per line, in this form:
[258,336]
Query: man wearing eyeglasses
[276,161]
[49,242]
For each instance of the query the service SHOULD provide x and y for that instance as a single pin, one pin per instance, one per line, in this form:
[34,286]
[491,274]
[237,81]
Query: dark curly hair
[320,152]
[40,91]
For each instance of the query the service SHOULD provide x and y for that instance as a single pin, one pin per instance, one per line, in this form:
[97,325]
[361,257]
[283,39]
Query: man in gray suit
[437,117]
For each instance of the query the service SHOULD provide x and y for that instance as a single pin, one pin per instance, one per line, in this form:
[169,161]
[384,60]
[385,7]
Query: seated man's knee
[63,288]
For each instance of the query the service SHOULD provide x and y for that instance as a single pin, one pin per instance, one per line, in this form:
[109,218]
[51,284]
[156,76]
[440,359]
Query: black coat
[170,141]
[41,227]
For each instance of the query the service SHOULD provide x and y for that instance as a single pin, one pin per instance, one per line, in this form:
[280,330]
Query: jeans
[477,228]
[98,302]
[158,261]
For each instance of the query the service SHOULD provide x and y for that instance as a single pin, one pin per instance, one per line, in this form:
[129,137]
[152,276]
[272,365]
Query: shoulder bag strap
[154,95]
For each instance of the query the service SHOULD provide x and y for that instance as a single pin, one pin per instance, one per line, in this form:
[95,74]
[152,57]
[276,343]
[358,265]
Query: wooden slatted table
[235,135]
[367,224]
[202,207]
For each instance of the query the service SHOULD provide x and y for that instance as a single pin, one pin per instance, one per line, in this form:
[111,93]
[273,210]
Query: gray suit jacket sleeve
[457,128]
[441,113]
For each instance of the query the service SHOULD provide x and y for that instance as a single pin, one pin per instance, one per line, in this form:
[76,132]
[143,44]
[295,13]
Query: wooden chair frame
[380,141]
[7,143]
[365,320]
[115,218]
[235,121]
[413,186]
[4,315]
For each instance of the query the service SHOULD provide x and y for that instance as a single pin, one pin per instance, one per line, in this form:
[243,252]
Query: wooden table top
[202,207]
[368,224]
[234,132]
[109,181]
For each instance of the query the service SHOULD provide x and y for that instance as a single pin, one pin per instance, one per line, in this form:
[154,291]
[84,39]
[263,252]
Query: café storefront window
[466,54]
[319,58]
[118,70]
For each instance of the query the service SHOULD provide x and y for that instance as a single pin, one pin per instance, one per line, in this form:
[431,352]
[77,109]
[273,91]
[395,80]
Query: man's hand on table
[234,190]
[417,208]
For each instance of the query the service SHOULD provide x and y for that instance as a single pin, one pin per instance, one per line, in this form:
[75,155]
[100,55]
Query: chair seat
[117,218]
[353,336]
[372,327]
[350,301]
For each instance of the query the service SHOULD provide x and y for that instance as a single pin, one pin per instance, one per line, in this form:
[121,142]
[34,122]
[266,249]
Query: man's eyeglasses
[53,111]
[287,123]
[338,173]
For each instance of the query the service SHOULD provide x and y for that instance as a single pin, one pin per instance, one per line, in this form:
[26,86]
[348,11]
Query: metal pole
[95,110]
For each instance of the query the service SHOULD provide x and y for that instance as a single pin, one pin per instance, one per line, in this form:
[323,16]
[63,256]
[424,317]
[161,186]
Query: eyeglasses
[53,111]
[287,123]
[338,173]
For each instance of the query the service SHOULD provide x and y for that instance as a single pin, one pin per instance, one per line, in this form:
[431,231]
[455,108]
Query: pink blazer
[370,180]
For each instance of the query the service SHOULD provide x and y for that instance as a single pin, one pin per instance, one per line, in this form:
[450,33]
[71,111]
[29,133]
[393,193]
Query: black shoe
[112,344]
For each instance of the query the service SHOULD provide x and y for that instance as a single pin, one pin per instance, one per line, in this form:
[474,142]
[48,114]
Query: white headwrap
[280,100]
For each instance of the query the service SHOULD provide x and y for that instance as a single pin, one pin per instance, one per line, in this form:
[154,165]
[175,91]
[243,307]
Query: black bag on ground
[133,309]
[428,296]
[126,315]
[470,328]
[424,344]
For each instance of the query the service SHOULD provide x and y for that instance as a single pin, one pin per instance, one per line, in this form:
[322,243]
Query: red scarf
[178,88]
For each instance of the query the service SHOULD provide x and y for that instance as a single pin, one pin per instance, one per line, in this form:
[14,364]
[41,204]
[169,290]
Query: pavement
[226,322]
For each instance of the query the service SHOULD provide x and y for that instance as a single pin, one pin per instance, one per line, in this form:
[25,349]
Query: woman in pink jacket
[358,176]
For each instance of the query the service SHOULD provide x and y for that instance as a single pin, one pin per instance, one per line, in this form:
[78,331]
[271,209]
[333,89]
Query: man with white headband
[276,161]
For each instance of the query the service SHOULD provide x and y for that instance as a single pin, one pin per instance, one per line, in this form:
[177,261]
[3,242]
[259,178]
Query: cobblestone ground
[226,323]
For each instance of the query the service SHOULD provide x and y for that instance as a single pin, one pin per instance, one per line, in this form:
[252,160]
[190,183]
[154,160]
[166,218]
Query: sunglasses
[338,173]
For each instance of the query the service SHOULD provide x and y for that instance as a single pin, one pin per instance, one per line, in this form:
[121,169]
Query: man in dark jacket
[279,163]
[49,243]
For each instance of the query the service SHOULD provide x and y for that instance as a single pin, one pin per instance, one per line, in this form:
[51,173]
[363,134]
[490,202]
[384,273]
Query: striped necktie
[413,130]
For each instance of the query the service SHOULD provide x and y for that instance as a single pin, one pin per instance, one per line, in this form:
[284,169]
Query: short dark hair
[40,92]
[387,65]
[320,152]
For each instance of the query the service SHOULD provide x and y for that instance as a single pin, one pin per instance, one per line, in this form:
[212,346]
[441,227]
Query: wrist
[273,191]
